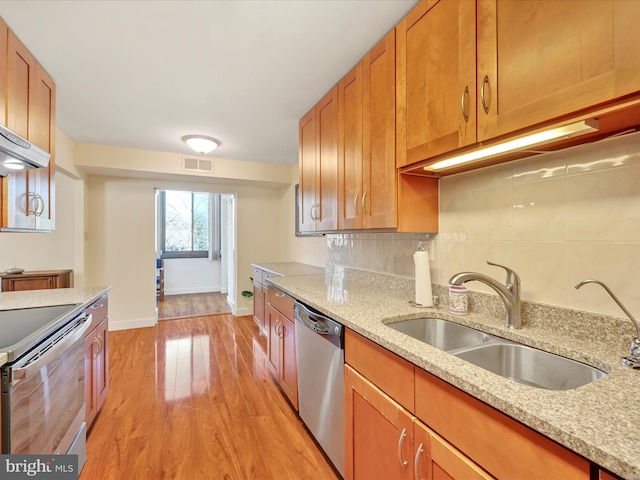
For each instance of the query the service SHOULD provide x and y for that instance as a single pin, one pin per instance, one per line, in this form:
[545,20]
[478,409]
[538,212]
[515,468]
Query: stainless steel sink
[517,362]
[440,333]
[530,366]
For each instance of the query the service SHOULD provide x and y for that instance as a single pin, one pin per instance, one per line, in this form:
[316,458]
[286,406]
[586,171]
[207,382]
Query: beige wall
[556,220]
[121,240]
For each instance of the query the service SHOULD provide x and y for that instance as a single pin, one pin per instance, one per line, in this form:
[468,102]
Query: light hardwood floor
[192,305]
[192,399]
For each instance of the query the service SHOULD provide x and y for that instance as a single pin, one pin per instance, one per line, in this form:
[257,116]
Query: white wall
[191,275]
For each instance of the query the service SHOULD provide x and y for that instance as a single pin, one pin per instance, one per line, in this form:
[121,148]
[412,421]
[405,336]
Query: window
[190,224]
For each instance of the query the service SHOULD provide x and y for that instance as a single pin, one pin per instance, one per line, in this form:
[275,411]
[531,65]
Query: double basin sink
[517,362]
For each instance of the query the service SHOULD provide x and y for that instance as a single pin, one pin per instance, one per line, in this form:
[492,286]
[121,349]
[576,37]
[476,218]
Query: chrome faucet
[509,293]
[633,360]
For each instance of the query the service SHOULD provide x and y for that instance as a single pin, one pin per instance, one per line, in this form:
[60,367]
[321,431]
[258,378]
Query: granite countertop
[598,421]
[288,269]
[47,298]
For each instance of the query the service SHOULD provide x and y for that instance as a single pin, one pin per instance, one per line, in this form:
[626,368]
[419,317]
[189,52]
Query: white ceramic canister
[458,300]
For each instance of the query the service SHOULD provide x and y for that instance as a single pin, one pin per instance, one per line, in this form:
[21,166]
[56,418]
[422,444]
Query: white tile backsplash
[556,219]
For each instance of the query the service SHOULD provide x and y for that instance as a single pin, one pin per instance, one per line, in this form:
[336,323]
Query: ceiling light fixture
[201,143]
[532,140]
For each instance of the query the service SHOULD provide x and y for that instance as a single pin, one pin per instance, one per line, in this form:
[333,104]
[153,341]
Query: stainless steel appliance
[17,153]
[43,381]
[320,361]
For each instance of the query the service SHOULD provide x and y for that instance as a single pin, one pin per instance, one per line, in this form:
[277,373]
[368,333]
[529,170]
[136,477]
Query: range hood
[16,153]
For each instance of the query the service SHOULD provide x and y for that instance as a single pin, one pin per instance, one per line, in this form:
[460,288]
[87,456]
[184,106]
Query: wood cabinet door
[91,351]
[502,446]
[288,367]
[435,459]
[379,184]
[42,133]
[28,283]
[350,201]
[273,338]
[327,162]
[259,306]
[378,433]
[19,198]
[543,60]
[101,365]
[96,361]
[436,77]
[307,169]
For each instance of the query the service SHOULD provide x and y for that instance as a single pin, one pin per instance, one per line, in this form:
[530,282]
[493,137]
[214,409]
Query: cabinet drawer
[280,301]
[99,310]
[389,372]
[501,445]
[258,275]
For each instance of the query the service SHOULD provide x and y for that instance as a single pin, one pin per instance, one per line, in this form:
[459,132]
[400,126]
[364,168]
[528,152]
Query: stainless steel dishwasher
[320,360]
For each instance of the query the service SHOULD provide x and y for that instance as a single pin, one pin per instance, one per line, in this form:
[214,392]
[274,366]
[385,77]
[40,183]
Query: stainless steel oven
[43,384]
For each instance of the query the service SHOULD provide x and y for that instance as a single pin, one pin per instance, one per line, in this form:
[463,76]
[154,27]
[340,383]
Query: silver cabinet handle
[465,94]
[416,462]
[32,211]
[280,295]
[98,340]
[319,217]
[41,203]
[485,82]
[311,214]
[355,203]
[403,434]
[364,203]
[96,307]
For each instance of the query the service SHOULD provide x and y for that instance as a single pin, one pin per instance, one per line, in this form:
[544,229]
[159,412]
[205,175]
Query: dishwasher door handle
[313,324]
[318,323]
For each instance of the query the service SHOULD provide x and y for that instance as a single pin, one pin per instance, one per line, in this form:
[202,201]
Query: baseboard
[187,291]
[242,312]
[133,323]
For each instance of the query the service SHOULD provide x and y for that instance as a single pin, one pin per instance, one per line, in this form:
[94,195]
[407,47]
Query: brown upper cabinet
[469,73]
[436,76]
[540,60]
[366,142]
[28,196]
[318,141]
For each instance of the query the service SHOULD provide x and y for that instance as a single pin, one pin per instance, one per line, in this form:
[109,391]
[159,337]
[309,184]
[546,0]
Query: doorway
[195,248]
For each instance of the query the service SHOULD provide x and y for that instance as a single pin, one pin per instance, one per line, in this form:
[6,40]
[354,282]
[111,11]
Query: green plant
[247,293]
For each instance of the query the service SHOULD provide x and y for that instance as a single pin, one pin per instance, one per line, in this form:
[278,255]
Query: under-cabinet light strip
[535,139]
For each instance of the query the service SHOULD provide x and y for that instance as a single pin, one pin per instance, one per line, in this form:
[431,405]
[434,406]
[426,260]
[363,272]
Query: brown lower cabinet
[36,280]
[96,360]
[447,434]
[387,441]
[282,342]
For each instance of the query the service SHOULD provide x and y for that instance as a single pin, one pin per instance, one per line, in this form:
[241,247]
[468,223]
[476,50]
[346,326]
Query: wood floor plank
[193,399]
[192,305]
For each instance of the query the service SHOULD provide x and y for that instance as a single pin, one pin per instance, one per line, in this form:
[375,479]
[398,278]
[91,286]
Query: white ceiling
[142,74]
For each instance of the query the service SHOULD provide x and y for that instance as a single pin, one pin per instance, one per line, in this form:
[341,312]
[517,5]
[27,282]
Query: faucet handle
[512,276]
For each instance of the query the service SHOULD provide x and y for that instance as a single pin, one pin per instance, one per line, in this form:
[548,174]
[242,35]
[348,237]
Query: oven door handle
[20,373]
